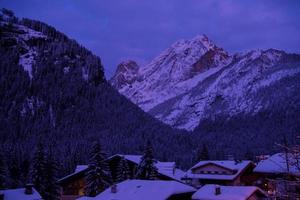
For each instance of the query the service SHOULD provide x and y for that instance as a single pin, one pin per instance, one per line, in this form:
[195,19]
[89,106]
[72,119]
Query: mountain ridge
[250,71]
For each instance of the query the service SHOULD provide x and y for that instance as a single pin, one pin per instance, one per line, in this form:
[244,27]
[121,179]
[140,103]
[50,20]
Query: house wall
[75,187]
[69,197]
[257,196]
[213,169]
[182,196]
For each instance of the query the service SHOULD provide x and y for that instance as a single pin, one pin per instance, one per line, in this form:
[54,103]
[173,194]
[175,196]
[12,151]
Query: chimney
[217,190]
[113,189]
[1,196]
[28,189]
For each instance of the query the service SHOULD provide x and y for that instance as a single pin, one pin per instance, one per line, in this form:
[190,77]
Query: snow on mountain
[26,37]
[173,71]
[126,74]
[194,79]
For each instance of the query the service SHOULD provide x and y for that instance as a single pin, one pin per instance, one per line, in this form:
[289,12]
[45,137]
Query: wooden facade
[211,173]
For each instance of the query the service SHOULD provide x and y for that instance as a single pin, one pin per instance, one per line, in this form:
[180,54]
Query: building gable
[212,168]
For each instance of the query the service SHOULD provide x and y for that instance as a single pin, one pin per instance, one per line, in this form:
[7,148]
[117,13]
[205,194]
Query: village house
[279,175]
[146,190]
[226,172]
[27,193]
[72,186]
[217,192]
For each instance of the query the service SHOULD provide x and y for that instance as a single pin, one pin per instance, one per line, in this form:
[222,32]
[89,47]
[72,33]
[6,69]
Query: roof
[80,168]
[207,192]
[19,194]
[231,165]
[143,189]
[277,164]
[164,168]
[79,172]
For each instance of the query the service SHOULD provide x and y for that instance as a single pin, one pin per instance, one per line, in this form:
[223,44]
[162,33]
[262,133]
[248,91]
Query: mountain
[194,81]
[126,74]
[53,91]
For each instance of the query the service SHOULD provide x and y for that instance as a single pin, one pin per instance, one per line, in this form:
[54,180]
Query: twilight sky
[140,29]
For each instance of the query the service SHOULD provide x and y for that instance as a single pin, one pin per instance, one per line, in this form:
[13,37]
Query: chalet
[146,190]
[226,172]
[72,185]
[217,192]
[27,193]
[279,175]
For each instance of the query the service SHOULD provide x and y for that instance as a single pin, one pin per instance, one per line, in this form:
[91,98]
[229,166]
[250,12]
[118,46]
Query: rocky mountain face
[194,80]
[126,74]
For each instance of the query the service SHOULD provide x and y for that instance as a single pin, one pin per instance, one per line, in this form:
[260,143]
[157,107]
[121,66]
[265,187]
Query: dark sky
[140,29]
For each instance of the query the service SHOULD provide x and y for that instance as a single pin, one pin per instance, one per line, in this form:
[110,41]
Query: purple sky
[139,29]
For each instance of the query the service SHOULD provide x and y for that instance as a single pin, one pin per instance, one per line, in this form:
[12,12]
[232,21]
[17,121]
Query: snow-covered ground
[19,194]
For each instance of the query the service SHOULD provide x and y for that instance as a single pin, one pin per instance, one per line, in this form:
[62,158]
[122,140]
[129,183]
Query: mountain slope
[53,90]
[168,75]
[195,80]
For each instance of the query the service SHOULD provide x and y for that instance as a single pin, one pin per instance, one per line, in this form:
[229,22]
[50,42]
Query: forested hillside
[53,91]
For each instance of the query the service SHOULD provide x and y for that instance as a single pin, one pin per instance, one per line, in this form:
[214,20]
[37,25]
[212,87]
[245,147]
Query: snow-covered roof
[80,168]
[238,167]
[207,192]
[143,190]
[19,194]
[277,164]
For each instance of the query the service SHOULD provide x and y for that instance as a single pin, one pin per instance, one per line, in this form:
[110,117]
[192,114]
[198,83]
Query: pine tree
[51,189]
[98,177]
[249,154]
[203,154]
[123,172]
[146,169]
[3,172]
[38,168]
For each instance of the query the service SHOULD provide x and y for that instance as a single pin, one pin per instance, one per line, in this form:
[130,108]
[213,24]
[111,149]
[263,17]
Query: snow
[228,164]
[27,60]
[80,168]
[169,89]
[277,164]
[276,76]
[143,190]
[207,192]
[165,76]
[30,33]
[85,73]
[18,194]
[66,70]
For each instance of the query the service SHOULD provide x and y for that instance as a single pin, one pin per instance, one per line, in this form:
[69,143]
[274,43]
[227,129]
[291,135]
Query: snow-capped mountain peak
[194,79]
[160,79]
[126,74]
